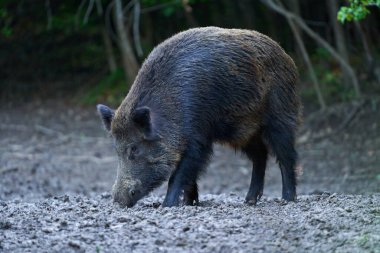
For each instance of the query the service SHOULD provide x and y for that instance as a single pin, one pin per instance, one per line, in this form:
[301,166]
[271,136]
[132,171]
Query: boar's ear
[144,118]
[106,114]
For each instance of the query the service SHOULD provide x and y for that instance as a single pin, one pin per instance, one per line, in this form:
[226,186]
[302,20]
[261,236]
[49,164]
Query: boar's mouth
[125,202]
[130,204]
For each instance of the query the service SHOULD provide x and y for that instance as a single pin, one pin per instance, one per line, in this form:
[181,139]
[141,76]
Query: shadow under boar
[205,85]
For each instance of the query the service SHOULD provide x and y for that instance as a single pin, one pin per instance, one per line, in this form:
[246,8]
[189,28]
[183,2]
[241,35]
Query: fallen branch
[5,170]
[72,158]
[14,127]
[47,131]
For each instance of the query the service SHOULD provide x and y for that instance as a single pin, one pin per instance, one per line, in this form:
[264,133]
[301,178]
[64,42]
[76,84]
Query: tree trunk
[49,15]
[136,28]
[372,67]
[106,40]
[130,64]
[319,40]
[340,41]
[109,50]
[294,7]
[303,52]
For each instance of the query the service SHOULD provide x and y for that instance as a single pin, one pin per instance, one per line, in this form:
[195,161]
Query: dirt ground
[57,167]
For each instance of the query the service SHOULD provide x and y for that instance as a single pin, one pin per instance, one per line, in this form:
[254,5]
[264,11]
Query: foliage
[169,7]
[49,42]
[5,21]
[362,240]
[111,89]
[357,10]
[330,76]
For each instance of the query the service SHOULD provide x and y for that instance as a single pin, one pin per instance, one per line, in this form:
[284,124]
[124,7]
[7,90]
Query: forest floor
[57,167]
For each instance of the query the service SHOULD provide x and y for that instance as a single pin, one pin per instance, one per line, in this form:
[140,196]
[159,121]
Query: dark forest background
[90,50]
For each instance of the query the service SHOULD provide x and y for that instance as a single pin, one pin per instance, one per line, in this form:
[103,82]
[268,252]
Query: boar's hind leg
[190,195]
[280,137]
[185,176]
[257,153]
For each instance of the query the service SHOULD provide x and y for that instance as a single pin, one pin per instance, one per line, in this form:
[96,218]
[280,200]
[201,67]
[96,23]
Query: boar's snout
[122,200]
[126,196]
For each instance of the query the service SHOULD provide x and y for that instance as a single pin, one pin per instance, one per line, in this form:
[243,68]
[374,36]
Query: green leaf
[357,10]
[6,31]
[3,13]
[168,11]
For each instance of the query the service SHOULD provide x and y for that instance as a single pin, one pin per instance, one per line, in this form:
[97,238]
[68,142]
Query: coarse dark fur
[205,85]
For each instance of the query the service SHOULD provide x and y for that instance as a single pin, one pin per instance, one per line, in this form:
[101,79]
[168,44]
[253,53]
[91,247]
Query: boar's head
[145,159]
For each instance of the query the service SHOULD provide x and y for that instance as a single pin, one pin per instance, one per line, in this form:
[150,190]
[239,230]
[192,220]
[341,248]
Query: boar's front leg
[193,161]
[258,154]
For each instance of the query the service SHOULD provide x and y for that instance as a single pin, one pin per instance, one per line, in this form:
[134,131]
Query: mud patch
[57,167]
[222,223]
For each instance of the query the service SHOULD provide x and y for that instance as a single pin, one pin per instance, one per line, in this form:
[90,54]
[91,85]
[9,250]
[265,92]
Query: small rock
[181,243]
[105,195]
[65,198]
[325,194]
[93,203]
[281,202]
[159,242]
[5,225]
[47,230]
[123,219]
[74,244]
[87,238]
[63,223]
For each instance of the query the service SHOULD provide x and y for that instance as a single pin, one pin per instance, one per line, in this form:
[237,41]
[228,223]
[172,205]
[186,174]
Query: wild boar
[205,85]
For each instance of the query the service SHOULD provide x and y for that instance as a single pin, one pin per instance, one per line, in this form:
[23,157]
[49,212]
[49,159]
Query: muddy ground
[57,168]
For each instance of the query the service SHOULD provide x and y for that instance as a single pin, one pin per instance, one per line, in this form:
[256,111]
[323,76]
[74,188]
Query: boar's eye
[133,152]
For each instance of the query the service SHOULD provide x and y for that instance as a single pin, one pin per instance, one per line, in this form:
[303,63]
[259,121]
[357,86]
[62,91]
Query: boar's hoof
[251,202]
[252,199]
[170,202]
[292,199]
[289,195]
[190,202]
